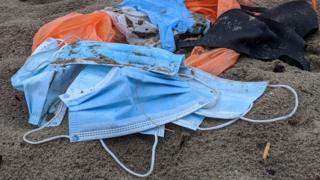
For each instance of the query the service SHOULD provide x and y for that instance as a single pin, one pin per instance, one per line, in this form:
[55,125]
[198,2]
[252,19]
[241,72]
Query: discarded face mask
[135,25]
[123,55]
[235,98]
[105,103]
[96,26]
[42,78]
[90,77]
[169,16]
[259,37]
[133,100]
[42,82]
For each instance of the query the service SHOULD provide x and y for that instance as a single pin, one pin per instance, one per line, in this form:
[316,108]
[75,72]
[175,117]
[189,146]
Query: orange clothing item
[314,4]
[218,60]
[96,26]
[212,9]
[214,61]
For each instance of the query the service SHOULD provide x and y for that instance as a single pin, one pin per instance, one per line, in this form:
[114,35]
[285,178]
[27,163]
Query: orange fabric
[214,61]
[218,60]
[212,9]
[314,4]
[96,26]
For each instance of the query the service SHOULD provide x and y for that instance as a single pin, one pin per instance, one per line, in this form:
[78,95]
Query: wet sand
[231,153]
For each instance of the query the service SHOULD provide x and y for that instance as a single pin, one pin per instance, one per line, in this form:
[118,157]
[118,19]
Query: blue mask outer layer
[90,76]
[124,55]
[168,15]
[234,97]
[36,63]
[127,101]
[42,82]
[191,121]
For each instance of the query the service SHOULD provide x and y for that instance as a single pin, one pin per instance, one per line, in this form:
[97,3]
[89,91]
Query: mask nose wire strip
[60,114]
[226,123]
[294,110]
[152,161]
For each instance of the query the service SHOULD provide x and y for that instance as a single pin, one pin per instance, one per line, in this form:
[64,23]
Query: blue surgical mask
[36,63]
[235,98]
[106,102]
[48,73]
[123,55]
[90,76]
[131,99]
[42,82]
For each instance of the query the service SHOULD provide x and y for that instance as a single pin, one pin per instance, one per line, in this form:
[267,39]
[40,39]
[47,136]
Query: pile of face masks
[113,89]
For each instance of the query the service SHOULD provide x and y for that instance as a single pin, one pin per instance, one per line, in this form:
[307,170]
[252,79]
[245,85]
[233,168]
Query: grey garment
[135,25]
[202,24]
[138,29]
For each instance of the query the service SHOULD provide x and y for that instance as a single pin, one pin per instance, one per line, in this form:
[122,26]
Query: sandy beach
[231,153]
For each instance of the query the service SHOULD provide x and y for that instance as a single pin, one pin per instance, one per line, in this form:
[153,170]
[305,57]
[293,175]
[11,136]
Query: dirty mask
[121,55]
[235,98]
[42,82]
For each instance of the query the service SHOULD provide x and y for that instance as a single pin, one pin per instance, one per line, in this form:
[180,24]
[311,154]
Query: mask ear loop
[58,115]
[226,123]
[152,161]
[218,94]
[294,110]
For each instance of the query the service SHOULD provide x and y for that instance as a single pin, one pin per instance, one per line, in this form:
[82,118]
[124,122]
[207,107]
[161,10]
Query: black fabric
[269,36]
[298,15]
[253,9]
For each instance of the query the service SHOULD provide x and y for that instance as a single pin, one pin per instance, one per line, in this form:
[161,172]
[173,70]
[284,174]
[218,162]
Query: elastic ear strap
[226,123]
[218,126]
[60,114]
[152,161]
[294,110]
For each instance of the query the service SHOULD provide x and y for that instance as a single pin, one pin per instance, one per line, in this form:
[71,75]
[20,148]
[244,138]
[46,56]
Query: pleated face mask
[47,73]
[235,98]
[42,82]
[90,76]
[127,101]
[123,55]
[108,102]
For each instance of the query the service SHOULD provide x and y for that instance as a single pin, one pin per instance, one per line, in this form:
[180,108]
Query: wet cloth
[128,101]
[42,82]
[96,26]
[217,60]
[260,37]
[122,55]
[90,77]
[169,16]
[304,19]
[135,25]
[235,98]
[214,61]
[50,70]
[212,9]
